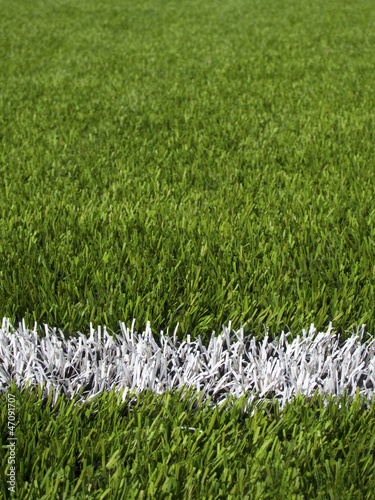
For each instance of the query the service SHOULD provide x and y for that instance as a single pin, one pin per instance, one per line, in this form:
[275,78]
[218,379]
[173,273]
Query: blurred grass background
[187,161]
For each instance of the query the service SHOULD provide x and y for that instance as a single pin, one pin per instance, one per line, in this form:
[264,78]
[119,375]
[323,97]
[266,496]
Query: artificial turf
[190,162]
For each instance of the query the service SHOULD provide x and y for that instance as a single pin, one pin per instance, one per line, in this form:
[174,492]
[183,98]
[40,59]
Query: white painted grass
[231,364]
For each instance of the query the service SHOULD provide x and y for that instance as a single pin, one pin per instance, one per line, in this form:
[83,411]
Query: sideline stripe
[229,365]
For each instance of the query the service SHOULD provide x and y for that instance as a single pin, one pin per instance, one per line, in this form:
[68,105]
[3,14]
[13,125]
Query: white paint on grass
[231,364]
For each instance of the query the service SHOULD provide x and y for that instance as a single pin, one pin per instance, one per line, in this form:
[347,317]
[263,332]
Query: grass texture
[169,447]
[191,162]
[194,163]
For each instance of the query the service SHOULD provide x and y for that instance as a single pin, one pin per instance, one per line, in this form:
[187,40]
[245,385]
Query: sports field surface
[187,249]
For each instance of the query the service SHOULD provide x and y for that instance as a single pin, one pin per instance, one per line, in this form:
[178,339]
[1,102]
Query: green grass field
[191,162]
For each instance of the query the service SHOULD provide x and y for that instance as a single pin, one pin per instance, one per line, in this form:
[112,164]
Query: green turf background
[190,161]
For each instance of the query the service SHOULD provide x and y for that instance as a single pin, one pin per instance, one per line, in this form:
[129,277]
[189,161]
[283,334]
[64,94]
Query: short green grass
[169,448]
[185,161]
[193,162]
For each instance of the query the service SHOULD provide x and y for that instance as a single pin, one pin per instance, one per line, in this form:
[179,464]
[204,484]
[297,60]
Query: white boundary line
[229,365]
